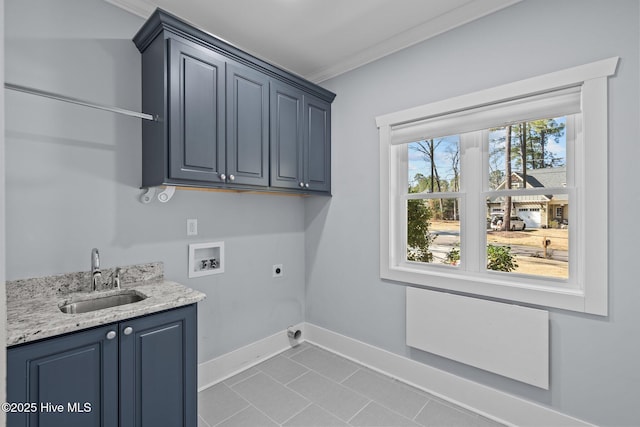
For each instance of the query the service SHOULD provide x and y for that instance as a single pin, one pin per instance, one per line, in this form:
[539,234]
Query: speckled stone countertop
[33,305]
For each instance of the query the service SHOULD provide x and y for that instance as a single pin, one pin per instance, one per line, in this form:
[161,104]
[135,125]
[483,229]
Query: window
[488,193]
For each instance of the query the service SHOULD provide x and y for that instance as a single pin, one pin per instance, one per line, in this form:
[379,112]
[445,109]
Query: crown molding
[141,8]
[432,28]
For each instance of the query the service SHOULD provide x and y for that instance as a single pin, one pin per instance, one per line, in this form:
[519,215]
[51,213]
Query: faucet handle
[96,279]
[95,259]
[116,279]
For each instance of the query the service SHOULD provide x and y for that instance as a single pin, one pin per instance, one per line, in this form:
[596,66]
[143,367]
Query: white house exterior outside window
[557,199]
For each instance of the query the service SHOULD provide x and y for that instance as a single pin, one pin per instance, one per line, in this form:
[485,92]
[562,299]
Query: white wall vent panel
[505,339]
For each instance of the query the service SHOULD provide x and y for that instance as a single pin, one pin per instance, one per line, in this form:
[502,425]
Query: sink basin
[99,302]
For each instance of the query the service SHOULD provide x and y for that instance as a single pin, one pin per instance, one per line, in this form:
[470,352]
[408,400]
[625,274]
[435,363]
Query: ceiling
[320,39]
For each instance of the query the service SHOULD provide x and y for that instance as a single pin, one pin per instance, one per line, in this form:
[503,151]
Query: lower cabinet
[140,372]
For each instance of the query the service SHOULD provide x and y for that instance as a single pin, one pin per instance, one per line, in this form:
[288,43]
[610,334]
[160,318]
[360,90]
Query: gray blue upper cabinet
[226,118]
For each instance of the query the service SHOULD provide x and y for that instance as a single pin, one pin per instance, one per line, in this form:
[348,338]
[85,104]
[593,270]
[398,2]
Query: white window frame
[589,234]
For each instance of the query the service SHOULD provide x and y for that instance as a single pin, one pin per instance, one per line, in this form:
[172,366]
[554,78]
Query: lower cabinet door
[66,381]
[158,366]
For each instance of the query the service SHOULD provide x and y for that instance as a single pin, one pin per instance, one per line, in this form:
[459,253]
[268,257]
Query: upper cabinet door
[317,144]
[247,126]
[286,136]
[196,113]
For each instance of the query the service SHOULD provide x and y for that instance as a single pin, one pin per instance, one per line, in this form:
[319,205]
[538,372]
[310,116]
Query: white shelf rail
[77,101]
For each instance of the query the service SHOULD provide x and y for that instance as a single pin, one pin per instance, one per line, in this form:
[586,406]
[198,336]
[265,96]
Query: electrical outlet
[277,270]
[192,227]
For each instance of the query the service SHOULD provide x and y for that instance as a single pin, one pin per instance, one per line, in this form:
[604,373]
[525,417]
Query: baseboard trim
[219,369]
[489,402]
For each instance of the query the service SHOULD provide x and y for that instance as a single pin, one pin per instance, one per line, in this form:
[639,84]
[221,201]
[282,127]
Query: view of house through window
[526,198]
[529,233]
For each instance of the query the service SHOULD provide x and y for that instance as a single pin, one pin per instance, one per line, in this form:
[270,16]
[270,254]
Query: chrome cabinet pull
[223,176]
[111,335]
[128,330]
[232,177]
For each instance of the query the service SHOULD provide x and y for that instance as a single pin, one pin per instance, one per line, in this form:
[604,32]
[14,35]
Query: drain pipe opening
[294,333]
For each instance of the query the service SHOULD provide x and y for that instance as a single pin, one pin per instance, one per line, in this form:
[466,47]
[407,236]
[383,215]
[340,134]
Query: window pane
[432,238]
[434,165]
[537,151]
[534,240]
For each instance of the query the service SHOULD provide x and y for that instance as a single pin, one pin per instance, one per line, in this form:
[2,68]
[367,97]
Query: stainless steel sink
[98,302]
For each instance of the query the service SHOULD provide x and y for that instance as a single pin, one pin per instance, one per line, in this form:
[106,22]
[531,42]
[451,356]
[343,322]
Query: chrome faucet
[96,274]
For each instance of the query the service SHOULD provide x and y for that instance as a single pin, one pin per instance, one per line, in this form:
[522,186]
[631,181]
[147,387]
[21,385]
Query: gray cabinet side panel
[154,102]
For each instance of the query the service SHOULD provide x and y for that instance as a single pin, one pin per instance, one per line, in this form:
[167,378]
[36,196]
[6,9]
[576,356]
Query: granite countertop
[33,305]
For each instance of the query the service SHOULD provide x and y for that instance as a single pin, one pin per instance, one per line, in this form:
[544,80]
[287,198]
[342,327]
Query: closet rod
[79,101]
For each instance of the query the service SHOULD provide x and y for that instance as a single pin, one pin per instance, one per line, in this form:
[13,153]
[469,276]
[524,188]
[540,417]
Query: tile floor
[309,386]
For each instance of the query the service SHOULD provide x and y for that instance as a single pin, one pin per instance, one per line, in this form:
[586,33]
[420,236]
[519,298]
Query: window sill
[519,289]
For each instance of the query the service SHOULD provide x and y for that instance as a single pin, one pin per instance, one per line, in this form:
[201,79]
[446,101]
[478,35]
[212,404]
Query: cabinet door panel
[247,126]
[198,85]
[286,136]
[77,371]
[317,119]
[158,370]
[196,111]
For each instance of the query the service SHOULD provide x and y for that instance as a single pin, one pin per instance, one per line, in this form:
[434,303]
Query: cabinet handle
[302,185]
[223,176]
[306,185]
[232,177]
[128,330]
[111,335]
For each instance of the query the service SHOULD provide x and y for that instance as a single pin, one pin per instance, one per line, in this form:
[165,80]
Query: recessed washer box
[206,259]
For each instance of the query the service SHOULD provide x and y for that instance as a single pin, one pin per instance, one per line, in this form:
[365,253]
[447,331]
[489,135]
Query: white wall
[3,305]
[73,177]
[594,368]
